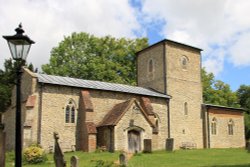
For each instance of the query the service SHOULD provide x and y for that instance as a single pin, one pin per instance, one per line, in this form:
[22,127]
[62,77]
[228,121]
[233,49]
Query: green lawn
[180,158]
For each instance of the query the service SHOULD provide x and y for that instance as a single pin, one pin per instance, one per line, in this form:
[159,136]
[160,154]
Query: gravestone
[169,144]
[123,159]
[2,145]
[147,146]
[248,146]
[58,154]
[74,161]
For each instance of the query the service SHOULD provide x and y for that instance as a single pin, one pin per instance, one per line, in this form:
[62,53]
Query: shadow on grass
[239,165]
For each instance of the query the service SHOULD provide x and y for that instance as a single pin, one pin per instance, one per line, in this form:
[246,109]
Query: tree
[7,81]
[85,56]
[217,92]
[243,94]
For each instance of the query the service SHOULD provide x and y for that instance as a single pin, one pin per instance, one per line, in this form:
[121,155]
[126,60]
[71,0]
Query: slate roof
[81,83]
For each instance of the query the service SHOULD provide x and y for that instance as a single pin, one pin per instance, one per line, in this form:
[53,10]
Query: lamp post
[19,46]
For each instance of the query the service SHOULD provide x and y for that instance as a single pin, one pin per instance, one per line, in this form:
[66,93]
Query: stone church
[164,111]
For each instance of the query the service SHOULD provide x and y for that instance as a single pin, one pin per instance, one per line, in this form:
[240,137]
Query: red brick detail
[31,101]
[91,128]
[86,101]
[146,105]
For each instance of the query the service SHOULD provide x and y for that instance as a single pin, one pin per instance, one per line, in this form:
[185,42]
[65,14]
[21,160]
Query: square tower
[175,69]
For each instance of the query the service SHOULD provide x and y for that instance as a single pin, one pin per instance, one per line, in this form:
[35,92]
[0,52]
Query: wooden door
[134,144]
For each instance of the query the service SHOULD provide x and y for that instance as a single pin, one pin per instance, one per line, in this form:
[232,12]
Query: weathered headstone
[2,145]
[74,161]
[58,154]
[169,144]
[147,146]
[123,159]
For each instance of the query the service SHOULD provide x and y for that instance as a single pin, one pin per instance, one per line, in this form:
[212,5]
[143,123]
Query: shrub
[34,154]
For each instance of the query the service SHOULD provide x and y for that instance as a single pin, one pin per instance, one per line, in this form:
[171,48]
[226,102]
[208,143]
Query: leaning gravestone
[74,161]
[123,159]
[58,154]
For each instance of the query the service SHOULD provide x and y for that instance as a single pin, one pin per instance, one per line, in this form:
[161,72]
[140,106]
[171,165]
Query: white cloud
[210,25]
[240,52]
[47,22]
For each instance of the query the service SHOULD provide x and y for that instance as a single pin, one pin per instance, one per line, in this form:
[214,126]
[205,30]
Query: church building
[164,111]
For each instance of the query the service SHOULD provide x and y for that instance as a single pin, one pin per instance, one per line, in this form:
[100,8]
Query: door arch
[134,141]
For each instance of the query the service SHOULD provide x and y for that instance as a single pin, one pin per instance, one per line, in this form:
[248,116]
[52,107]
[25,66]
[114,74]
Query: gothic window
[184,62]
[213,126]
[185,108]
[230,127]
[70,112]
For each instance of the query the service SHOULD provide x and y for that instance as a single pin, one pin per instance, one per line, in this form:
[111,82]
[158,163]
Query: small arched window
[230,127]
[214,126]
[185,108]
[70,112]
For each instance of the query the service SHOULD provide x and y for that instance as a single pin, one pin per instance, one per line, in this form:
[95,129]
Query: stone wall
[55,98]
[28,87]
[154,79]
[184,85]
[222,138]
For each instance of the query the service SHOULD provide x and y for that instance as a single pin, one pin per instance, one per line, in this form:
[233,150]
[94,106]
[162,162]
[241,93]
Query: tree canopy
[217,92]
[85,56]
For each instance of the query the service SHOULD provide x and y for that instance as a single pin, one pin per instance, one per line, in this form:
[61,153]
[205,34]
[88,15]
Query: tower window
[213,126]
[150,66]
[230,127]
[151,69]
[185,108]
[184,62]
[70,113]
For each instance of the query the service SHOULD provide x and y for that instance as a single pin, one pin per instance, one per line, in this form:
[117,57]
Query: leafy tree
[217,92]
[7,81]
[85,56]
[243,94]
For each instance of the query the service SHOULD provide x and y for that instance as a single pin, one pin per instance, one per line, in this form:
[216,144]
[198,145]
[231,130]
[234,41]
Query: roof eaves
[224,107]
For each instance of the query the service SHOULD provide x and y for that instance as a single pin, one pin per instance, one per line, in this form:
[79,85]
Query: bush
[34,154]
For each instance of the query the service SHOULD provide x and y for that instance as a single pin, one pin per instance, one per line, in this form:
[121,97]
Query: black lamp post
[19,46]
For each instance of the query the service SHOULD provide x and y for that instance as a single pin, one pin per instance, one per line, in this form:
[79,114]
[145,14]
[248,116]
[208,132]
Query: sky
[220,27]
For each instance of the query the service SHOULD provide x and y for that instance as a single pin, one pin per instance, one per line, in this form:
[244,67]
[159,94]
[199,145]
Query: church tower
[175,69]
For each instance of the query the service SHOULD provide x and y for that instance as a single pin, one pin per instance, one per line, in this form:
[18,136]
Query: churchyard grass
[179,158]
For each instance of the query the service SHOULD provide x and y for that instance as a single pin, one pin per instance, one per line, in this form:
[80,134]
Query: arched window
[185,108]
[213,126]
[230,127]
[70,113]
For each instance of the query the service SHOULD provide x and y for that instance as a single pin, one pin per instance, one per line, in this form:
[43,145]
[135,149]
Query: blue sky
[220,27]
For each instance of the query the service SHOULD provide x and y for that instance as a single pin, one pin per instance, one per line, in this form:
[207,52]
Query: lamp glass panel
[19,49]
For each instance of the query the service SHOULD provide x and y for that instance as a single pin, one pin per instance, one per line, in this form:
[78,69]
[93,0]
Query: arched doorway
[134,141]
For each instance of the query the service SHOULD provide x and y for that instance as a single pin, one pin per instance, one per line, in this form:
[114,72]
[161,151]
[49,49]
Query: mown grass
[193,158]
[179,158]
